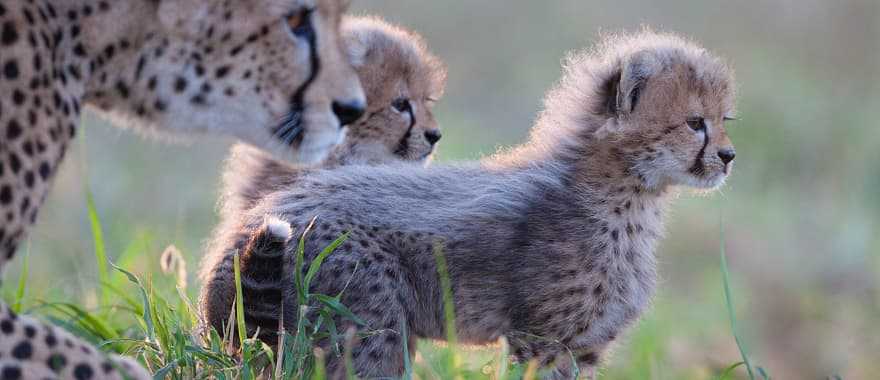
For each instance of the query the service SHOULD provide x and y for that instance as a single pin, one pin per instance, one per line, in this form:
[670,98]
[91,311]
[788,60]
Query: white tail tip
[278,228]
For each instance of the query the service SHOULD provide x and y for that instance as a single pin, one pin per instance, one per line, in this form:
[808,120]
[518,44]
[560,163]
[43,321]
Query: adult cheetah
[550,245]
[268,72]
[402,81]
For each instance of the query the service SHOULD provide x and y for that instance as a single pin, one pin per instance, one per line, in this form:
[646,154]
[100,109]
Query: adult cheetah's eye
[401,105]
[299,22]
[697,123]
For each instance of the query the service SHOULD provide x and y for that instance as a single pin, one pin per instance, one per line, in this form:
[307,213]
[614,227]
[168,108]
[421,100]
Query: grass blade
[147,316]
[728,298]
[316,263]
[86,322]
[448,307]
[302,292]
[407,363]
[22,279]
[320,372]
[239,303]
[728,372]
[334,304]
[100,251]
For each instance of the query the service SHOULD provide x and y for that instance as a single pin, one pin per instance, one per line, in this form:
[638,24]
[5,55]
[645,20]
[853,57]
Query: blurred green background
[801,211]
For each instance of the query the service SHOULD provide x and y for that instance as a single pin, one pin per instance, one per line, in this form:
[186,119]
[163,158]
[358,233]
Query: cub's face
[676,129]
[402,82]
[270,72]
[400,124]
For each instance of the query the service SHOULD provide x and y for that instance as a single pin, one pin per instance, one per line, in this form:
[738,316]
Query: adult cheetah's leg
[30,349]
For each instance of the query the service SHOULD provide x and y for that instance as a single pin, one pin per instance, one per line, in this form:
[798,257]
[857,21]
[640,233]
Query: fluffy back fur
[402,81]
[550,244]
[395,67]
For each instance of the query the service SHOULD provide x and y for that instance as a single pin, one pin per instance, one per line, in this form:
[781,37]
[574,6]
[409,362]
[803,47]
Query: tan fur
[392,64]
[550,244]
[267,72]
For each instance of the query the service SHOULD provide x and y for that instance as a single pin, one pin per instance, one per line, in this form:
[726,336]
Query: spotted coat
[272,75]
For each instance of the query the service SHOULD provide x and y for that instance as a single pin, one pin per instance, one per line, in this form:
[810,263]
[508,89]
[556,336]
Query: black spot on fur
[51,340]
[9,35]
[589,358]
[221,71]
[17,97]
[83,372]
[14,162]
[57,362]
[142,61]
[13,130]
[10,372]
[10,69]
[45,170]
[23,350]
[180,84]
[122,89]
[79,50]
[6,325]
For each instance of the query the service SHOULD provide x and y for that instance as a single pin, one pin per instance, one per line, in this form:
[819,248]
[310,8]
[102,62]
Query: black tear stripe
[699,167]
[403,145]
[297,101]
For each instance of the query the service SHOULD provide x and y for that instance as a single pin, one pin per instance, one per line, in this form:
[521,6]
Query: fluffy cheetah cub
[402,80]
[551,244]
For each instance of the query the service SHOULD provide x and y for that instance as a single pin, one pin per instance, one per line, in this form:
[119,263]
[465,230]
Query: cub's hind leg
[372,287]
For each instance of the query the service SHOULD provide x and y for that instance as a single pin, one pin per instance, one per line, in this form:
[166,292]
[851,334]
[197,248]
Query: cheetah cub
[551,244]
[402,81]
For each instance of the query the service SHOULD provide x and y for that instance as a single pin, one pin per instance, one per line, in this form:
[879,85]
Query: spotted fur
[550,244]
[35,350]
[268,72]
[395,68]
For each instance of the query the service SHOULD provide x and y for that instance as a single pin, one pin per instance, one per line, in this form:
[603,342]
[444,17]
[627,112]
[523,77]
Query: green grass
[154,319]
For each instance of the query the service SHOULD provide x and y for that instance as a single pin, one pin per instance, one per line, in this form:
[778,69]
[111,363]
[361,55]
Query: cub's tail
[262,277]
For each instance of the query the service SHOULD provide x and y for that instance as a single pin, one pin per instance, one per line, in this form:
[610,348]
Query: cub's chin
[707,182]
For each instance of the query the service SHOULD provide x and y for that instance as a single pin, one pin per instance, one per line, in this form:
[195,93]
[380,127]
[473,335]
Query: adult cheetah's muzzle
[348,112]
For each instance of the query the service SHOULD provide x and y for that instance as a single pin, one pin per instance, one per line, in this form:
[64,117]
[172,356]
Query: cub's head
[269,72]
[665,101]
[402,81]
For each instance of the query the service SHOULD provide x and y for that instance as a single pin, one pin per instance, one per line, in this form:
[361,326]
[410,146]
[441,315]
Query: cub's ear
[183,17]
[357,43]
[623,88]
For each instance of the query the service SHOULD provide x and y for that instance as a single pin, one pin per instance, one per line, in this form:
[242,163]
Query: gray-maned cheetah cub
[551,244]
[402,81]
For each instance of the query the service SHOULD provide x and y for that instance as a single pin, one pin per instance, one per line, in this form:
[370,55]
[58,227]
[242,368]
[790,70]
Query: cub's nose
[726,155]
[433,135]
[348,112]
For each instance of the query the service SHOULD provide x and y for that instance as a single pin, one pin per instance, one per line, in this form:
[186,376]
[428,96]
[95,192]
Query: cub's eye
[731,118]
[299,22]
[696,123]
[401,105]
